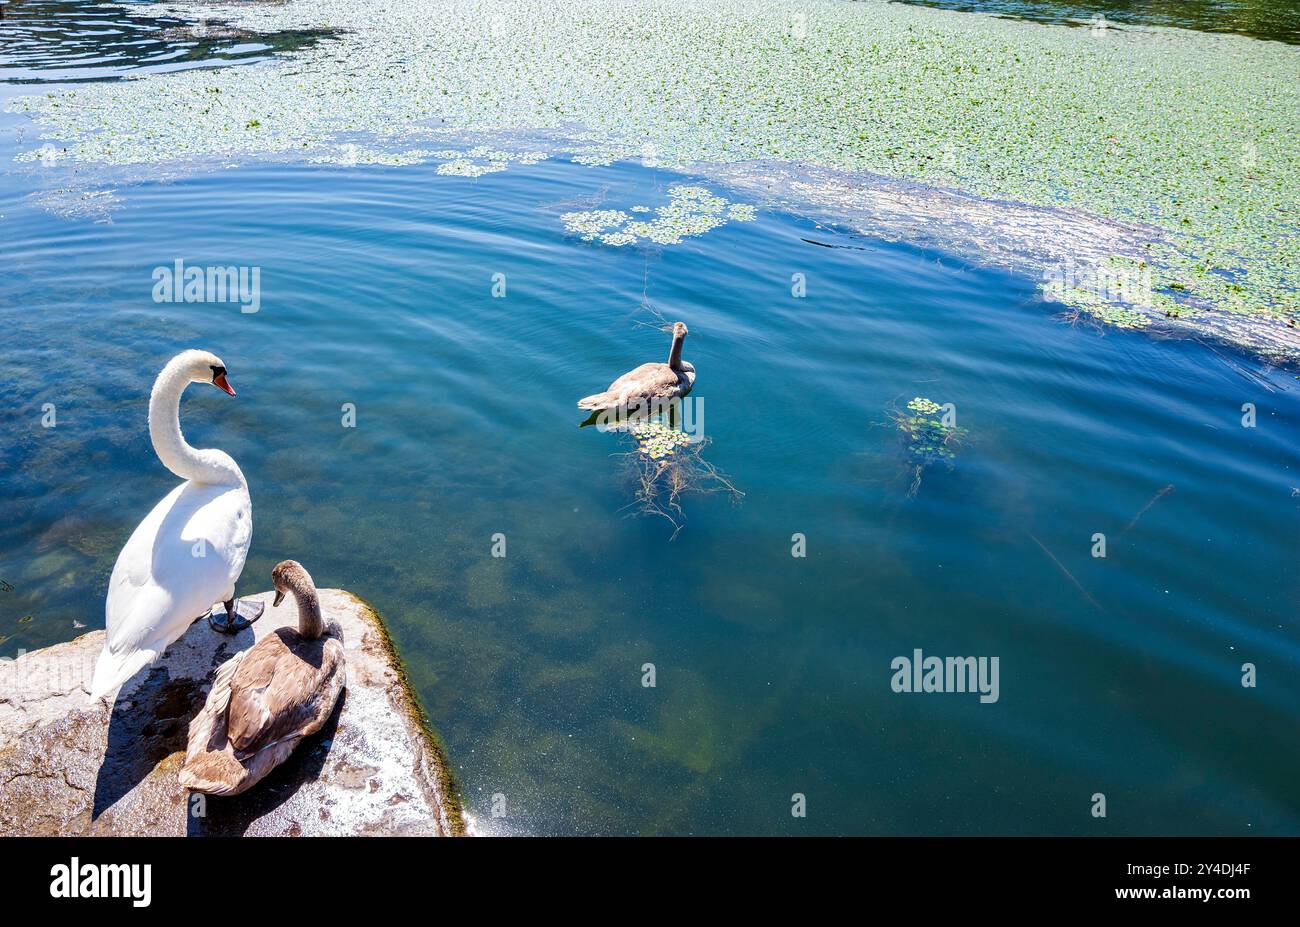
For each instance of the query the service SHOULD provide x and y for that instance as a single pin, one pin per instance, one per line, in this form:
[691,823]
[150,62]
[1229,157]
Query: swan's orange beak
[221,381]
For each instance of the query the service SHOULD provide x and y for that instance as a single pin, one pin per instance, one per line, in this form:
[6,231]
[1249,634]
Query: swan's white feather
[161,584]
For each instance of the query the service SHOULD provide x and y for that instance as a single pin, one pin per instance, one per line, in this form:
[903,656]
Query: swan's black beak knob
[219,380]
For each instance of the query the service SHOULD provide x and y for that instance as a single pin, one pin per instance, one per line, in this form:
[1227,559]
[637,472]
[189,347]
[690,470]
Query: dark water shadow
[231,816]
[73,41]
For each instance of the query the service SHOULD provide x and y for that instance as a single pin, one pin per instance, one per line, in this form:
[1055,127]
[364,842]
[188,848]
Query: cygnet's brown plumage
[649,381]
[266,699]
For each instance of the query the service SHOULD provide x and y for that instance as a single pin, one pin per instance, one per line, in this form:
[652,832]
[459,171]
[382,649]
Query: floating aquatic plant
[664,476]
[600,157]
[656,440]
[356,154]
[930,437]
[594,222]
[690,211]
[1186,139]
[665,464]
[472,163]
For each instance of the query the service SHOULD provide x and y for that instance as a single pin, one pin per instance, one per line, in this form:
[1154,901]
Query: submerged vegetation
[664,465]
[1187,137]
[930,434]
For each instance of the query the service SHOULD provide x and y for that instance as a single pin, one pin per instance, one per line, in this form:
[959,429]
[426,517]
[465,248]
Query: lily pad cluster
[474,162]
[929,439]
[1189,134]
[690,211]
[656,440]
[602,155]
[483,160]
[350,154]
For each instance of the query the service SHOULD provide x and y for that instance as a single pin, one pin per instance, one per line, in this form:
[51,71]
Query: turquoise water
[1119,675]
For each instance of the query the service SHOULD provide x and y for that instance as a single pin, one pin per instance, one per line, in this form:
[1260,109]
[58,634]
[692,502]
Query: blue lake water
[1120,675]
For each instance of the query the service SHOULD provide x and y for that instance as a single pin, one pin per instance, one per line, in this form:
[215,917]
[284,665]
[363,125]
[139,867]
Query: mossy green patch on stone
[449,788]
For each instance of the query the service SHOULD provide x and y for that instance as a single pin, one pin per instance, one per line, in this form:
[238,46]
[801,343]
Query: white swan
[188,552]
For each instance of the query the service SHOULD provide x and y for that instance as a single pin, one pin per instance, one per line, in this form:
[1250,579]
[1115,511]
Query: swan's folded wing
[277,694]
[209,764]
[208,728]
[140,627]
[202,541]
[184,556]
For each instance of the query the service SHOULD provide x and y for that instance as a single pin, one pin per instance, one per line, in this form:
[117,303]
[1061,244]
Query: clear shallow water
[773,672]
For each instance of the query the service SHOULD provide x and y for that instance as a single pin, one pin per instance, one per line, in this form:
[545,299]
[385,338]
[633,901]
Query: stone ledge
[72,767]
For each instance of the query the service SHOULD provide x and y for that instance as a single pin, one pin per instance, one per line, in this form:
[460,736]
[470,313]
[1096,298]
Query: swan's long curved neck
[168,442]
[675,355]
[310,623]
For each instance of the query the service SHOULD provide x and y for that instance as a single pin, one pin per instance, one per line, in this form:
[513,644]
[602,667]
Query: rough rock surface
[70,766]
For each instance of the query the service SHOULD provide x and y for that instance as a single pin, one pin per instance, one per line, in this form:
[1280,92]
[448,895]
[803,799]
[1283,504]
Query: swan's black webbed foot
[239,615]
